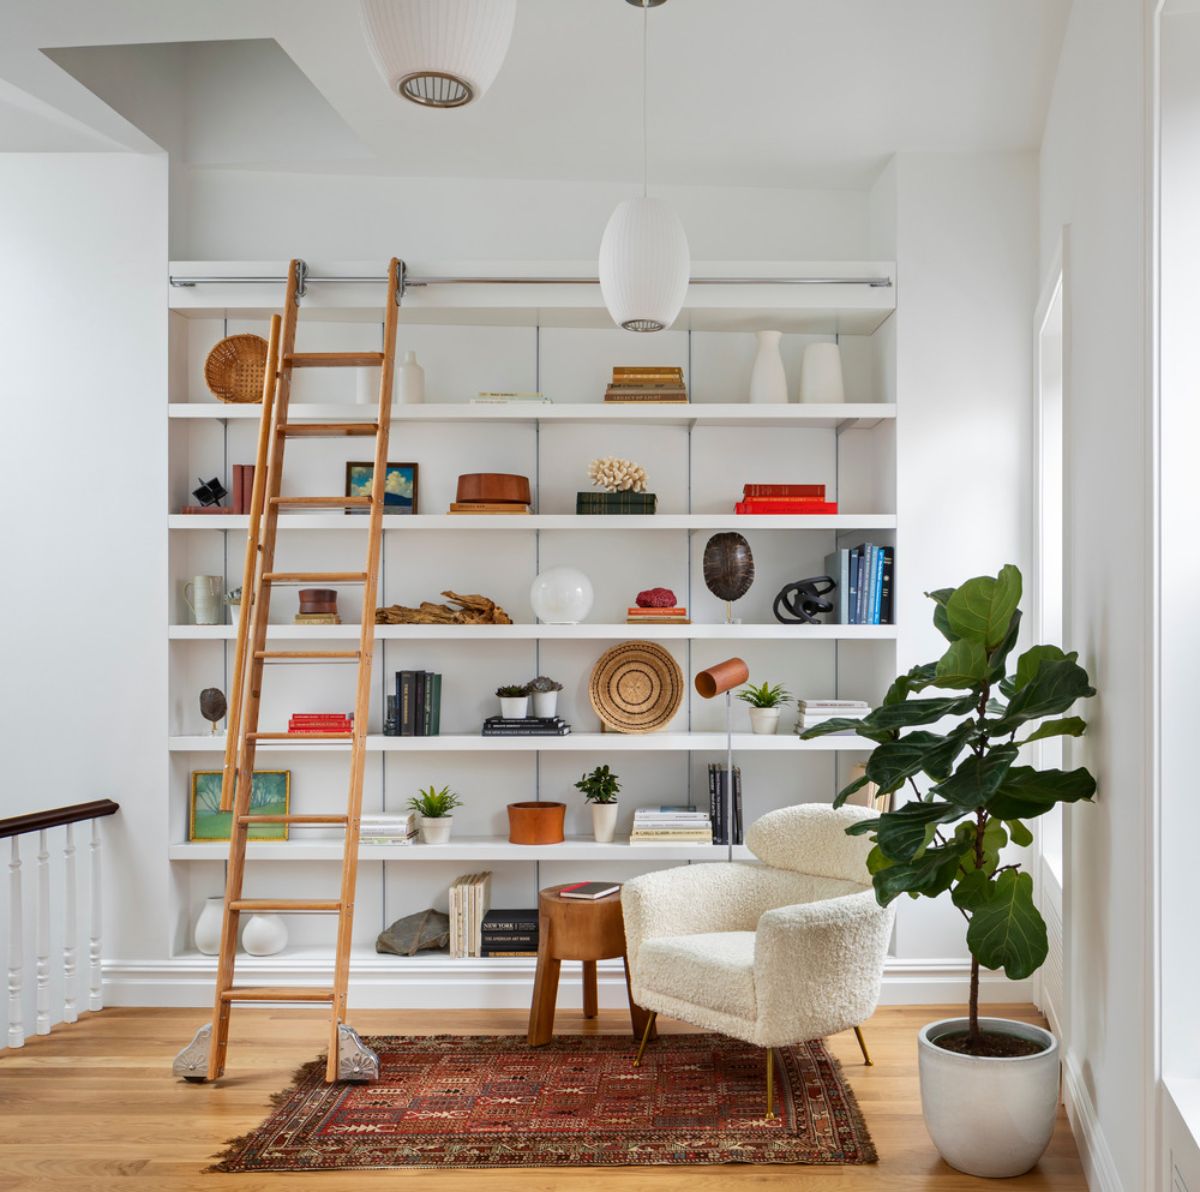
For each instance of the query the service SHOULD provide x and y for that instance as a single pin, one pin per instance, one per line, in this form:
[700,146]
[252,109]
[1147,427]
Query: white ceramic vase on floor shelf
[410,381]
[264,935]
[989,1116]
[207,932]
[436,830]
[821,374]
[604,821]
[768,381]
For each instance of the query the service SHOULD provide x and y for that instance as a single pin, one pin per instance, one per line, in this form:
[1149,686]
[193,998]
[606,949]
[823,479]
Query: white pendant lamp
[644,258]
[439,53]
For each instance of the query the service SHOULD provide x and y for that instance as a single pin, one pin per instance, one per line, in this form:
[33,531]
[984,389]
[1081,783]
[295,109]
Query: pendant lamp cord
[645,18]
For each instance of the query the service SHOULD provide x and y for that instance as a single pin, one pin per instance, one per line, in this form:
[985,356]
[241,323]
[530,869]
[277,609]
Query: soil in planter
[991,1044]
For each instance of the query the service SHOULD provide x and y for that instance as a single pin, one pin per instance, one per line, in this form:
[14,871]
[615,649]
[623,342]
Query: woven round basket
[636,687]
[234,368]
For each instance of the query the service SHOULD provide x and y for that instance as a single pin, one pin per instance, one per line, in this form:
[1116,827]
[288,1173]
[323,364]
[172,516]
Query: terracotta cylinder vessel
[536,823]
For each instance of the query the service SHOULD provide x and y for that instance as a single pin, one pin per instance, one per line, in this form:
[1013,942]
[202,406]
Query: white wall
[83,474]
[1092,169]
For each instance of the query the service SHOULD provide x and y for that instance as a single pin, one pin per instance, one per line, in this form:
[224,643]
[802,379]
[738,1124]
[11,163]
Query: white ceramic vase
[264,935]
[207,932]
[436,830]
[821,374]
[410,386]
[367,385]
[989,1117]
[514,707]
[604,821]
[545,704]
[768,381]
[764,721]
[561,596]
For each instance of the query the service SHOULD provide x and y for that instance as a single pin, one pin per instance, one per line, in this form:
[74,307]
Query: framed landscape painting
[269,795]
[399,489]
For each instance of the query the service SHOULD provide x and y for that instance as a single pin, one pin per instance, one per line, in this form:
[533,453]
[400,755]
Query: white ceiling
[775,93]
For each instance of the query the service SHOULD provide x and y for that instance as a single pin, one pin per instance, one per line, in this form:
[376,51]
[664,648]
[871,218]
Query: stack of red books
[784,498]
[657,616]
[321,722]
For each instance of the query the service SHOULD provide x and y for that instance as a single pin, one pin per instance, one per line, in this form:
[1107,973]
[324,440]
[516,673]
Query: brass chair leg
[863,1045]
[770,1084]
[645,1037]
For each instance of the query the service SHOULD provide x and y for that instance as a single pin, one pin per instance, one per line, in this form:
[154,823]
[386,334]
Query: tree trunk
[973,1031]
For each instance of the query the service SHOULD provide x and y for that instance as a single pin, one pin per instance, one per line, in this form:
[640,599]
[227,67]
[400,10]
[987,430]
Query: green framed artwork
[270,794]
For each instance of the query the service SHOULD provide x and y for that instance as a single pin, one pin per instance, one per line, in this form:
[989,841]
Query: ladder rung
[315,577]
[280,905]
[270,655]
[299,736]
[282,993]
[326,430]
[321,502]
[332,359]
[296,820]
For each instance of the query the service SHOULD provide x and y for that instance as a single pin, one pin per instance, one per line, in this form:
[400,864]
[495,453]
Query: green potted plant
[766,702]
[514,701]
[436,809]
[600,789]
[544,692]
[971,798]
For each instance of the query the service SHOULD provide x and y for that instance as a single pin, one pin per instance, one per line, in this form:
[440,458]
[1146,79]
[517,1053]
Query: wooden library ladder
[349,1058]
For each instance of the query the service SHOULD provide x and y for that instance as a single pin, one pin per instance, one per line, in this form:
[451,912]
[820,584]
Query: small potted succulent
[436,809]
[514,701]
[545,696]
[600,789]
[765,703]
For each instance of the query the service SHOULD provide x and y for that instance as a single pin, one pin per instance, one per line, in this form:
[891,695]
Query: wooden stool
[576,929]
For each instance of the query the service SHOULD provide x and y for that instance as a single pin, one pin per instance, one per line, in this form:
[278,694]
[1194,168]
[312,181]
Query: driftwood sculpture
[471,610]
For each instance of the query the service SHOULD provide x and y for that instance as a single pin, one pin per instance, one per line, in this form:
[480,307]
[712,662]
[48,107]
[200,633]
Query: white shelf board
[467,848]
[799,416]
[408,523]
[571,743]
[585,632]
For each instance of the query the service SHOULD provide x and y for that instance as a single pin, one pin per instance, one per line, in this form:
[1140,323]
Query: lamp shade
[722,677]
[644,265]
[439,53]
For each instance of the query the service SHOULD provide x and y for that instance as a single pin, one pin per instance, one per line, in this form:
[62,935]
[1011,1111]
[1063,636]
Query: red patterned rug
[493,1101]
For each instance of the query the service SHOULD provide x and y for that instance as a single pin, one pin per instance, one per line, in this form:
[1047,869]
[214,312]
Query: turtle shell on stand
[728,566]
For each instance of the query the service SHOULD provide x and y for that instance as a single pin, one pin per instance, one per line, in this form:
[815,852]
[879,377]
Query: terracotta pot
[536,823]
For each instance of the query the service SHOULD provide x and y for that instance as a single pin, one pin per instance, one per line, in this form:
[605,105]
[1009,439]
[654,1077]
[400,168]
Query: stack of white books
[470,900]
[818,711]
[508,398]
[671,825]
[377,828]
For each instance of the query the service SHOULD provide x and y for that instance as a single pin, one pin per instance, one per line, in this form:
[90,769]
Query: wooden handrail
[37,821]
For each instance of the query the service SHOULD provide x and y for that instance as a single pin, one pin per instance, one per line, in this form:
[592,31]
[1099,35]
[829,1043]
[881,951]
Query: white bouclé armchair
[775,953]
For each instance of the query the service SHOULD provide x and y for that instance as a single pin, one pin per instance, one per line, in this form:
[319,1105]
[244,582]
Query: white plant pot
[207,932]
[768,381]
[764,721]
[821,374]
[514,707]
[604,821]
[989,1117]
[410,381]
[436,831]
[545,704]
[264,935]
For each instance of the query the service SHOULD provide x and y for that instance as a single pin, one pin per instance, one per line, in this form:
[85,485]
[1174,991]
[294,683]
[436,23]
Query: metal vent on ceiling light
[435,89]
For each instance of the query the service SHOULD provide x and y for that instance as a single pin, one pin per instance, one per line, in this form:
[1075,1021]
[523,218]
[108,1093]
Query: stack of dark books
[526,726]
[623,502]
[719,807]
[415,710]
[509,933]
[646,383]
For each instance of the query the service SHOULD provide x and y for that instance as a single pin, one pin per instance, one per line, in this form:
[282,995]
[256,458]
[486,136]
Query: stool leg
[637,1059]
[545,995]
[591,1002]
[862,1043]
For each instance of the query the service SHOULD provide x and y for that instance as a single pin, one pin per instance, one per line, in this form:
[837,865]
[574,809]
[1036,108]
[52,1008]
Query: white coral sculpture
[617,475]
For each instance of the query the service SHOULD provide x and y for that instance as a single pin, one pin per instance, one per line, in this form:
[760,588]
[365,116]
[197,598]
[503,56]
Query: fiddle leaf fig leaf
[1031,661]
[850,788]
[1069,726]
[1006,930]
[977,778]
[1026,792]
[941,621]
[877,862]
[998,658]
[1053,688]
[905,833]
[994,840]
[930,874]
[843,724]
[894,763]
[982,608]
[919,711]
[917,679]
[1019,834]
[972,890]
[964,664]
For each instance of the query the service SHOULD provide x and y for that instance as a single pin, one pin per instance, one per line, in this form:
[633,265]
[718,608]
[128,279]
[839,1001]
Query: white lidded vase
[207,932]
[768,381]
[410,381]
[264,935]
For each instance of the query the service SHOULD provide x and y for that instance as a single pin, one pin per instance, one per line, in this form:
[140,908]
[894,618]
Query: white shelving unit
[557,339]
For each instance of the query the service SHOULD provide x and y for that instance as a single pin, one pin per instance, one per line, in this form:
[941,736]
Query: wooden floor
[93,1107]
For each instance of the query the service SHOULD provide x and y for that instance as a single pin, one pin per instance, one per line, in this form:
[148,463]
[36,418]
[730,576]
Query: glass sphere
[561,596]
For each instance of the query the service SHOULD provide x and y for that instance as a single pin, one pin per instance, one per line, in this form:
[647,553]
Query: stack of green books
[615,502]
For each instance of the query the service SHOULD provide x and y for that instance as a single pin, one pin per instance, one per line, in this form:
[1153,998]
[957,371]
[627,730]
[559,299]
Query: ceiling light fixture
[439,53]
[644,258]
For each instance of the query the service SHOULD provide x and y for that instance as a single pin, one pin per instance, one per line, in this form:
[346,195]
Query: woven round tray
[636,687]
[234,368]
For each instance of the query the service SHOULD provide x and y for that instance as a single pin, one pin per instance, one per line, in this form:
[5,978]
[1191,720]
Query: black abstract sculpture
[210,492]
[802,602]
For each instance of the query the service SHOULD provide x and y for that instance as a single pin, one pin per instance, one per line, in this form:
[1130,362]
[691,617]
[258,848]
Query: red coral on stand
[656,598]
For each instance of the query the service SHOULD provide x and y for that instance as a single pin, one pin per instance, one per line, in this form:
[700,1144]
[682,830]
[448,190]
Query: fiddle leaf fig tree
[970,797]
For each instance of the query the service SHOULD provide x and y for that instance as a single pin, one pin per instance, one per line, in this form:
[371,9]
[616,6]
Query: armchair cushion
[714,970]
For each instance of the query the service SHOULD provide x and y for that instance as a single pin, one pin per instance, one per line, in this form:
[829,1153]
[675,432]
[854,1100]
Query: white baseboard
[438,982]
[1098,1164]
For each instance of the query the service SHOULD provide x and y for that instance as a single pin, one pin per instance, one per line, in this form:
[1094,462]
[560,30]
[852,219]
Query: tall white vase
[410,386]
[207,932]
[768,381]
[821,373]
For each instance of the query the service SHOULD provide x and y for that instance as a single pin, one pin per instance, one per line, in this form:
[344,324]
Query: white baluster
[42,1022]
[95,989]
[16,1018]
[70,931]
